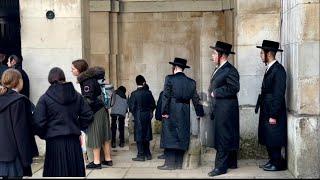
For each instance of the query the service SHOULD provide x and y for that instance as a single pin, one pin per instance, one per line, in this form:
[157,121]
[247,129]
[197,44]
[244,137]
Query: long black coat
[16,134]
[225,107]
[142,105]
[178,91]
[26,83]
[273,105]
[61,111]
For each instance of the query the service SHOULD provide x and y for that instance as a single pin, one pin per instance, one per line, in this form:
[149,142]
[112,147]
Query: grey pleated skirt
[99,130]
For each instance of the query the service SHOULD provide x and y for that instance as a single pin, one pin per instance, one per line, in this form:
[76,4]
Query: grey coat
[120,106]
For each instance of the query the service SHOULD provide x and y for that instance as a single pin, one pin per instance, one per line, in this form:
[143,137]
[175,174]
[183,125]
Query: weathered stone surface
[251,31]
[62,8]
[309,98]
[304,146]
[250,87]
[258,6]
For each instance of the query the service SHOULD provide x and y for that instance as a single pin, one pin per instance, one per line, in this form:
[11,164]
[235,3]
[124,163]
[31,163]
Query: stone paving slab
[124,167]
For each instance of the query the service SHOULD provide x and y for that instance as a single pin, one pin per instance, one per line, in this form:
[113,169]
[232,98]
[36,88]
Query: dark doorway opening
[10,38]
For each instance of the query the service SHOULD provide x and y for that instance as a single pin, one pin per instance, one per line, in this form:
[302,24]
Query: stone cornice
[160,5]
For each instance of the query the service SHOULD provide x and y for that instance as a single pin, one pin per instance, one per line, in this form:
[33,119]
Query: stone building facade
[131,37]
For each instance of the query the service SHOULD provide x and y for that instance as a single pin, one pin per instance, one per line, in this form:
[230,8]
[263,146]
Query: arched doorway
[10,26]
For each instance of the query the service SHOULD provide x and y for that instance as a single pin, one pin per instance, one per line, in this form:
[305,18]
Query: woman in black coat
[17,141]
[99,132]
[59,116]
[142,105]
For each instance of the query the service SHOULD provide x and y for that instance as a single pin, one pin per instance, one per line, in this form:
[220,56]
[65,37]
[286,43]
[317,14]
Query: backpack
[107,92]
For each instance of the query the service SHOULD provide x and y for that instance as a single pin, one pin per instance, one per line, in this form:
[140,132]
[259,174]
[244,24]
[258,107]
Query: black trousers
[275,156]
[226,159]
[120,119]
[174,157]
[143,148]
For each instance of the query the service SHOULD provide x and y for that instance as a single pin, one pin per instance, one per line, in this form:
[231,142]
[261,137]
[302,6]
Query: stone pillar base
[304,146]
[192,158]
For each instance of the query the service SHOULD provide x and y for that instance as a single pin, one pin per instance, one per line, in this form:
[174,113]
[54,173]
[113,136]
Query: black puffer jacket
[90,87]
[61,111]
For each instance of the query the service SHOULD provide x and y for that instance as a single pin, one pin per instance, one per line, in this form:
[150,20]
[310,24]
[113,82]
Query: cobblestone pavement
[124,167]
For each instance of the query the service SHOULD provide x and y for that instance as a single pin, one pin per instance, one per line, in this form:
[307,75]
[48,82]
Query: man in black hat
[178,91]
[272,130]
[142,105]
[224,86]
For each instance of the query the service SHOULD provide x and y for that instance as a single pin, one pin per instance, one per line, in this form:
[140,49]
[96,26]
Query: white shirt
[270,64]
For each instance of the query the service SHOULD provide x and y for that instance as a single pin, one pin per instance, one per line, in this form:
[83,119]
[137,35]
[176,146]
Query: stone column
[255,21]
[300,40]
[50,43]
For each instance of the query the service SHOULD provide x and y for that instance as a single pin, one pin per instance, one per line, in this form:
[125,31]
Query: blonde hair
[11,79]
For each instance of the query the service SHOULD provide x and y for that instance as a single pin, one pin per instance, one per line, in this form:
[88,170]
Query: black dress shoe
[149,157]
[166,167]
[107,163]
[138,159]
[162,156]
[268,164]
[92,165]
[272,168]
[121,145]
[216,172]
[233,167]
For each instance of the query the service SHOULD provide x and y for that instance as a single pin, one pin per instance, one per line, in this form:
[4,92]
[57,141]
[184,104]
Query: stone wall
[254,21]
[50,43]
[300,41]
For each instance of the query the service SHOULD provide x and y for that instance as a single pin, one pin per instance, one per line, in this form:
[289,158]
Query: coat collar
[220,69]
[271,68]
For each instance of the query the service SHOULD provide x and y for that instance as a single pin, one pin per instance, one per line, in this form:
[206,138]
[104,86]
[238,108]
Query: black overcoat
[178,91]
[16,133]
[225,108]
[142,105]
[273,105]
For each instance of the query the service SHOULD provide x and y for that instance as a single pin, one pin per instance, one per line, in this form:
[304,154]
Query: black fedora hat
[223,47]
[180,62]
[270,45]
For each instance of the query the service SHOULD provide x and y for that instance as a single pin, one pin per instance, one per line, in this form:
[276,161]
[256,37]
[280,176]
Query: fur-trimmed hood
[93,72]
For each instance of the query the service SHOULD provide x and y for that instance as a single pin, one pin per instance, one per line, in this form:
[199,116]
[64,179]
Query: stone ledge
[160,6]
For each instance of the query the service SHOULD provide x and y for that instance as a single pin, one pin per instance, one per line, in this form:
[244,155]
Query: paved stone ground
[124,167]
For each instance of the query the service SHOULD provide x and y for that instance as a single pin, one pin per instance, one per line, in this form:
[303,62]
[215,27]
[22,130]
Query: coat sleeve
[158,108]
[167,94]
[278,93]
[40,118]
[197,104]
[232,86]
[132,103]
[85,114]
[153,102]
[22,128]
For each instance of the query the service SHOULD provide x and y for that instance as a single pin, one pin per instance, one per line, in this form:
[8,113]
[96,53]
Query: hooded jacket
[16,134]
[61,111]
[90,87]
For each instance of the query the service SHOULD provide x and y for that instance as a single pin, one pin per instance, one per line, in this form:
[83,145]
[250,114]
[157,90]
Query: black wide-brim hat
[270,45]
[180,62]
[223,47]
